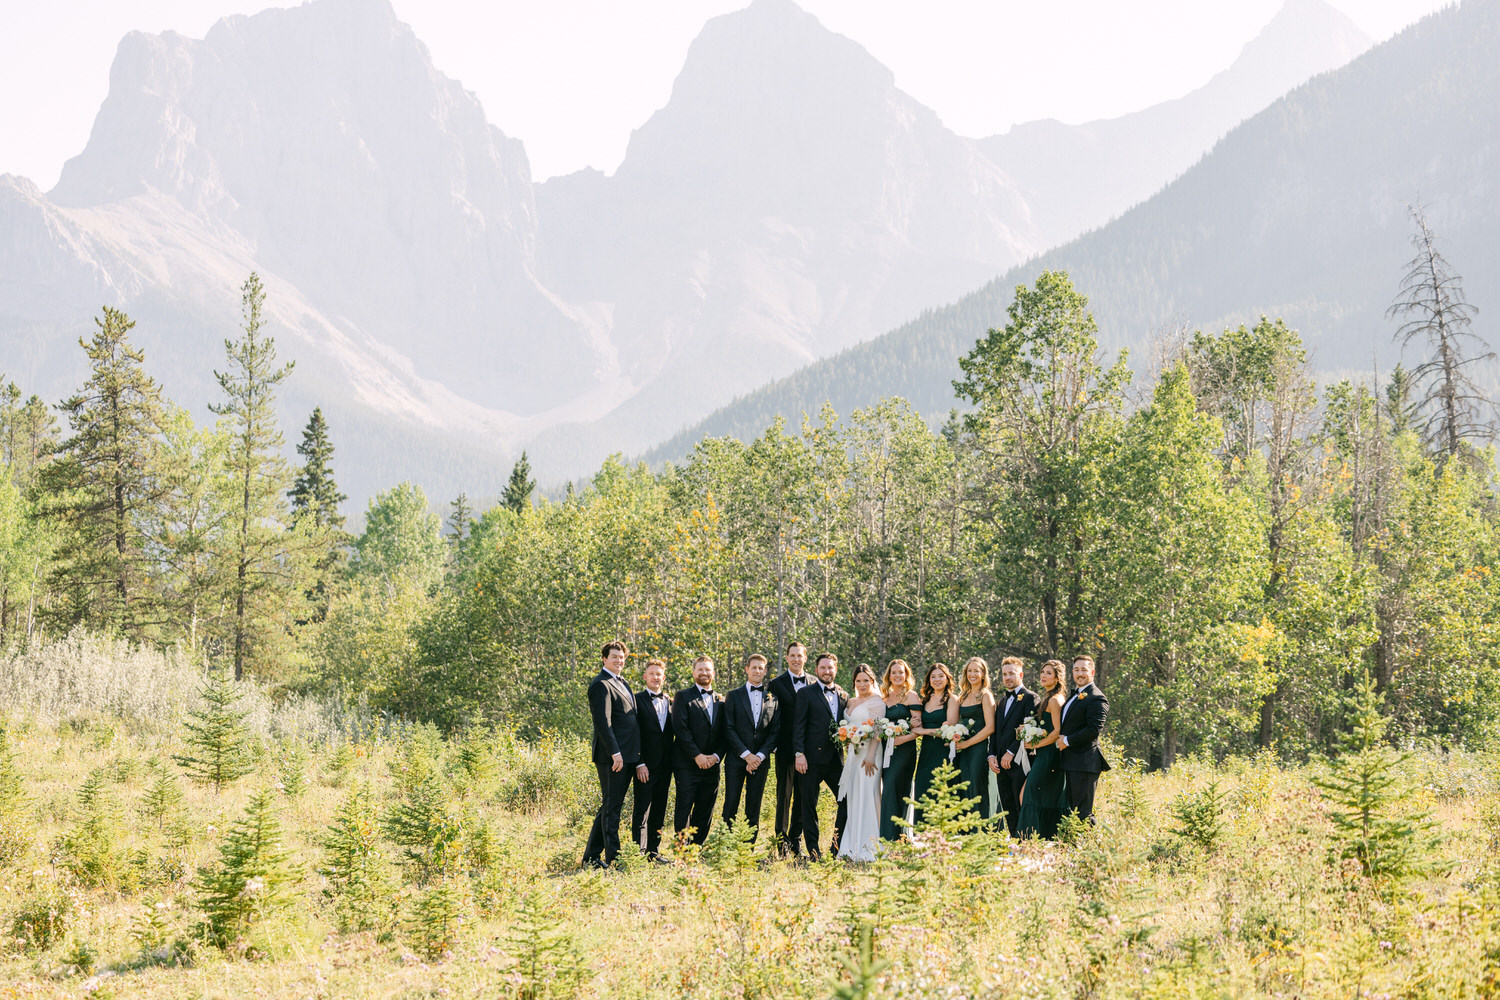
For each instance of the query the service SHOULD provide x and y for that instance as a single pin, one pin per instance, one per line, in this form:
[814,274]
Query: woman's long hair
[927,691]
[1061,687]
[885,682]
[964,688]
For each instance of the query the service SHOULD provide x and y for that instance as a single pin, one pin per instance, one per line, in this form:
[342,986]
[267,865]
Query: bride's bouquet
[853,735]
[952,733]
[1030,731]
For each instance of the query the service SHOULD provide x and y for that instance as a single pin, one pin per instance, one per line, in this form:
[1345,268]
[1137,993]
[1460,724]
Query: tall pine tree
[315,501]
[517,495]
[256,544]
[105,482]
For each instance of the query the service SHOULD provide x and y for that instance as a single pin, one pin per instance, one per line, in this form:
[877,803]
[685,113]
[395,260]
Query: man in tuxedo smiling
[1083,717]
[1005,748]
[820,758]
[751,727]
[788,790]
[698,735]
[616,751]
[653,709]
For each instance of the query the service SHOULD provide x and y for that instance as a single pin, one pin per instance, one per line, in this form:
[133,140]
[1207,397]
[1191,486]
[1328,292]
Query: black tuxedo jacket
[786,697]
[740,728]
[1003,740]
[616,729]
[812,727]
[692,732]
[1082,723]
[656,742]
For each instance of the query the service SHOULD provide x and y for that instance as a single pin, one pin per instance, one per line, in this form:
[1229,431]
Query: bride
[859,785]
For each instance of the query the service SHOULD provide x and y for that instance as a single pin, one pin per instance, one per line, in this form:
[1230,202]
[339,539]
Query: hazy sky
[571,78]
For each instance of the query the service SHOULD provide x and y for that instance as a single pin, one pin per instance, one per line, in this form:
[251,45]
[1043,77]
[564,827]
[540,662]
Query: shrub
[42,917]
[358,883]
[436,919]
[548,963]
[163,799]
[253,878]
[429,831]
[1200,816]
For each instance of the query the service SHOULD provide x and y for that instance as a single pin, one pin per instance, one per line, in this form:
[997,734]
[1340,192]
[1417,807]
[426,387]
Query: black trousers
[736,780]
[697,788]
[812,782]
[604,837]
[788,803]
[1081,793]
[1011,782]
[649,814]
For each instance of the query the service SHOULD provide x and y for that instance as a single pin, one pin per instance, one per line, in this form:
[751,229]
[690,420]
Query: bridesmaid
[901,702]
[976,709]
[1045,793]
[939,707]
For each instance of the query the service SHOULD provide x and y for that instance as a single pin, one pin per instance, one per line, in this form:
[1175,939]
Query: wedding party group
[876,749]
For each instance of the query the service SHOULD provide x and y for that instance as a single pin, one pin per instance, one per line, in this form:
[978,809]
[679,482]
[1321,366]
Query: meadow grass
[1178,891]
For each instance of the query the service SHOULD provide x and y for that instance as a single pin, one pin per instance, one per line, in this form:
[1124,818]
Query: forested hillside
[1237,551]
[1300,213]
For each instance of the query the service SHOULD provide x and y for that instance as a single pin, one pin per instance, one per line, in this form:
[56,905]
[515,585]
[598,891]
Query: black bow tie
[754,687]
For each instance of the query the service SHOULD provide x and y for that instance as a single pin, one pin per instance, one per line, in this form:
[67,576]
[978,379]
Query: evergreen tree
[517,495]
[460,524]
[218,742]
[254,877]
[1364,785]
[358,882]
[255,551]
[314,495]
[163,798]
[105,484]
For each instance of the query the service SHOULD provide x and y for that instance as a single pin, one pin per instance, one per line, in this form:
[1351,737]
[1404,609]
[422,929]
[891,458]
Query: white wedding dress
[861,839]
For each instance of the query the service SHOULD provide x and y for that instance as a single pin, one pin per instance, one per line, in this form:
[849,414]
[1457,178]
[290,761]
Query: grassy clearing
[1167,896]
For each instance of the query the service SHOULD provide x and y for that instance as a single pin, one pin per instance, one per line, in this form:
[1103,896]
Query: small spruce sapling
[254,876]
[219,744]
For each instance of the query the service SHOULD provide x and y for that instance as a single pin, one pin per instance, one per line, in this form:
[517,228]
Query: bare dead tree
[1434,312]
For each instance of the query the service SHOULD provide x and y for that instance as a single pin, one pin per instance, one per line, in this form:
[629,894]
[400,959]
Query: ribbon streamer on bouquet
[952,749]
[890,748]
[1024,758]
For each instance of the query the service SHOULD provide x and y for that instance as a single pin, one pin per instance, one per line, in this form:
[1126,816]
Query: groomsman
[698,734]
[1083,717]
[653,709]
[1005,748]
[616,750]
[788,789]
[751,725]
[820,758]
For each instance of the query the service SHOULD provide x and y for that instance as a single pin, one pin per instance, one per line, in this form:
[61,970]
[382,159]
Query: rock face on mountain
[1300,212]
[1078,177]
[787,203]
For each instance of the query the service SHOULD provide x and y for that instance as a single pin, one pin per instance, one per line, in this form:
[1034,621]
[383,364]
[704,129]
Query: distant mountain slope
[1300,213]
[1078,177]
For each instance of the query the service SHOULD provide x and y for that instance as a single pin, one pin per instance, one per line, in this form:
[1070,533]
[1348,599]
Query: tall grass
[89,676]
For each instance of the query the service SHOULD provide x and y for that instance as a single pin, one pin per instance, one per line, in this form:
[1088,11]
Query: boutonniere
[1082,694]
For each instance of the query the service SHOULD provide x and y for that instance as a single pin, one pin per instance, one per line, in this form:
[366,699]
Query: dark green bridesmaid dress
[973,762]
[1046,790]
[896,781]
[932,753]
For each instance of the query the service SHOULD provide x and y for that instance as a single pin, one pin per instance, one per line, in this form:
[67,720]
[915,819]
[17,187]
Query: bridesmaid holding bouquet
[939,708]
[902,705]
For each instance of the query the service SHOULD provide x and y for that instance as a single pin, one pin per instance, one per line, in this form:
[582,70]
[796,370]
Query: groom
[1083,717]
[820,759]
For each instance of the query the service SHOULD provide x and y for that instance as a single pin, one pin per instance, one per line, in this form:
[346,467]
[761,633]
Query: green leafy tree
[219,749]
[194,517]
[402,538]
[518,490]
[254,877]
[255,554]
[26,547]
[1046,409]
[104,485]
